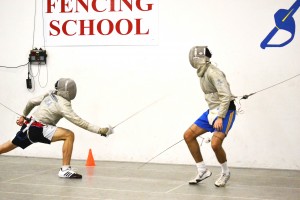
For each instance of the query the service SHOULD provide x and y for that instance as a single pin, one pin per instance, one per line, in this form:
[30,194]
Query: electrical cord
[44,48]
[14,67]
[34,17]
[31,75]
[30,71]
[33,38]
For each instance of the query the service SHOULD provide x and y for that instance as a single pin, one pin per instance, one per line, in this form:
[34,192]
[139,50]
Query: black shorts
[32,135]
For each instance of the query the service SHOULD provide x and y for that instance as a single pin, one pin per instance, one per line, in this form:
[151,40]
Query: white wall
[113,86]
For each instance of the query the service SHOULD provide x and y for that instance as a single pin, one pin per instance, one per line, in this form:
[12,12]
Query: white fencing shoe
[221,182]
[69,173]
[200,177]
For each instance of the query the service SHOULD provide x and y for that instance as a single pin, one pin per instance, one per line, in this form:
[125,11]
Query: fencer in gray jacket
[218,119]
[41,125]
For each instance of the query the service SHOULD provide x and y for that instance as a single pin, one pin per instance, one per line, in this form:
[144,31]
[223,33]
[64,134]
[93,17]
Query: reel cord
[246,96]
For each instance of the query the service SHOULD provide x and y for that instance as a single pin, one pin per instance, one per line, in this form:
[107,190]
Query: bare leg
[216,144]
[6,147]
[190,137]
[68,137]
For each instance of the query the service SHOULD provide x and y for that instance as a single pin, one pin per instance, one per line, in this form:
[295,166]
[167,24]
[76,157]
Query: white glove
[105,131]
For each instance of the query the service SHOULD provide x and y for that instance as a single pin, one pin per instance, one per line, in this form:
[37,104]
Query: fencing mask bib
[199,58]
[66,88]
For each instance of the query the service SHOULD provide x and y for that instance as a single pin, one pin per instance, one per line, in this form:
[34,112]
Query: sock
[225,169]
[65,167]
[201,167]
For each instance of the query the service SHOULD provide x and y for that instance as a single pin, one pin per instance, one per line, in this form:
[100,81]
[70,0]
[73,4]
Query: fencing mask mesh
[66,88]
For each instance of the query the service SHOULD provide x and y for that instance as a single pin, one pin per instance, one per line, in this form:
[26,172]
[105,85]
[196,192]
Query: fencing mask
[66,88]
[199,56]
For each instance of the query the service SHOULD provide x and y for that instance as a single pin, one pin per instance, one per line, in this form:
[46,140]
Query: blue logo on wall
[284,20]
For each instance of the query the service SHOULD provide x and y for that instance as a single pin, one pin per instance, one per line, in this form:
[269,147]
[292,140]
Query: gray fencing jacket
[52,108]
[216,89]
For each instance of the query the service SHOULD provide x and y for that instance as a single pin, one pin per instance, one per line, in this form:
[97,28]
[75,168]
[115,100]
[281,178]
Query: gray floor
[36,178]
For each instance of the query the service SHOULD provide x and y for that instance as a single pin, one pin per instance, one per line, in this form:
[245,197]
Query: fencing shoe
[200,177]
[221,182]
[69,173]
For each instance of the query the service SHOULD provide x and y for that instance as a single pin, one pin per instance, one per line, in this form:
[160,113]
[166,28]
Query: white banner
[100,22]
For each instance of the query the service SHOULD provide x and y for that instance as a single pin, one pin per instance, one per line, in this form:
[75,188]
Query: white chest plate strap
[27,129]
[28,125]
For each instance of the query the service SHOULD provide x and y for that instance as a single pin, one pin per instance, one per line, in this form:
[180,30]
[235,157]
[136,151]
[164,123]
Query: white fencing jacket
[216,89]
[52,108]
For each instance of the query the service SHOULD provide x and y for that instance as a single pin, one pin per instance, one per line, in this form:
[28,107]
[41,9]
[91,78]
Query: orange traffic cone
[90,160]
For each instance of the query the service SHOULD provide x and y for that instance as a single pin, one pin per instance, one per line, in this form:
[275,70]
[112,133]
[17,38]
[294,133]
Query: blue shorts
[202,122]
